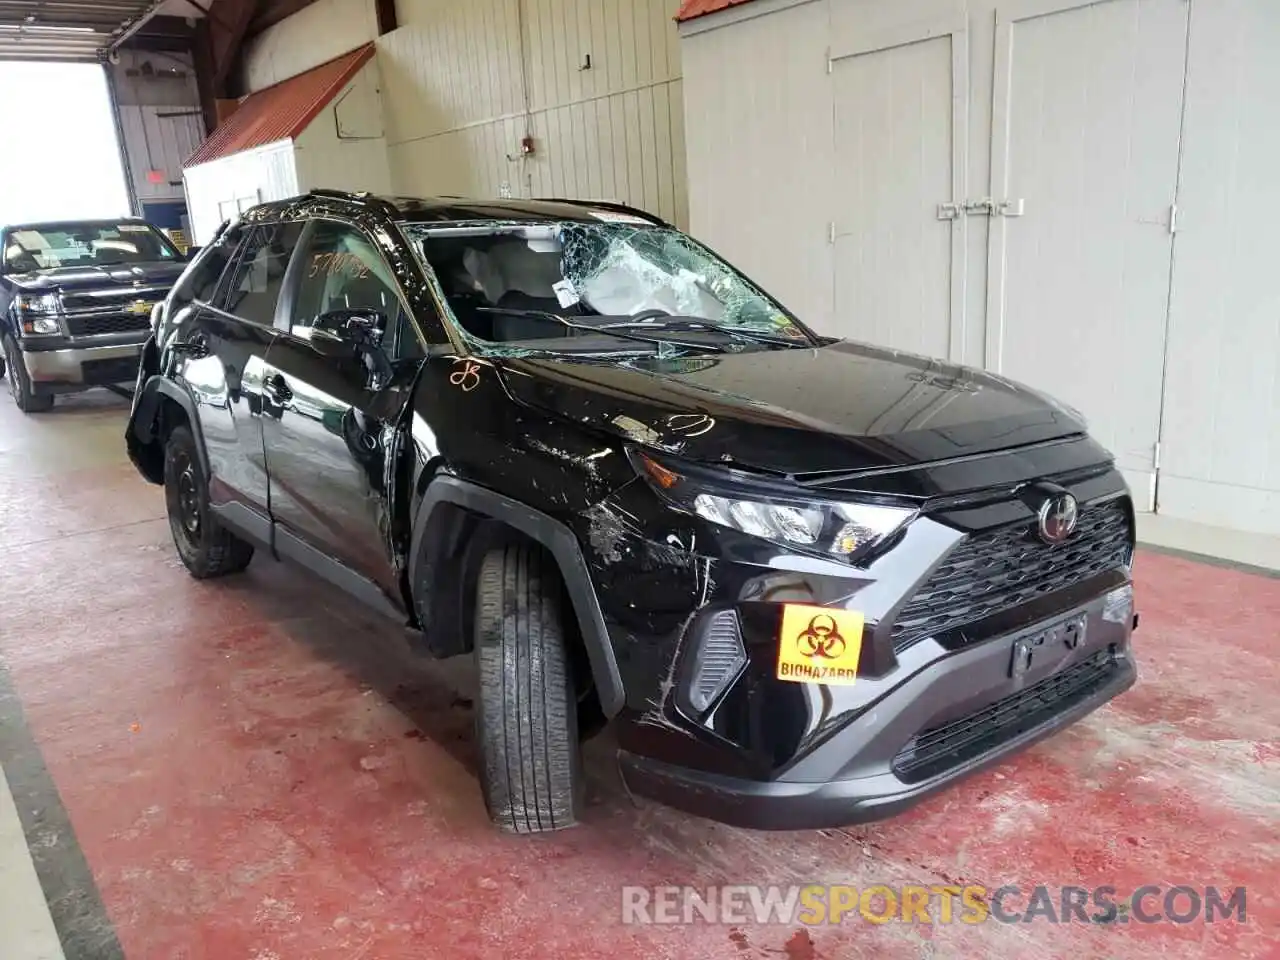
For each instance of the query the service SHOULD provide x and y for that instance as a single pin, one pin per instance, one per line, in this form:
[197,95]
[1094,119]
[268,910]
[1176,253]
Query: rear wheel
[20,388]
[526,718]
[207,549]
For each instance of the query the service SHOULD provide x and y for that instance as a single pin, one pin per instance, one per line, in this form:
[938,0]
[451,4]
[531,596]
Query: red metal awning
[692,9]
[282,111]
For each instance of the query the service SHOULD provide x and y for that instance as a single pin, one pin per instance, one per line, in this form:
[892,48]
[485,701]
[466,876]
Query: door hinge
[949,211]
[1173,219]
[831,232]
[831,64]
[1155,456]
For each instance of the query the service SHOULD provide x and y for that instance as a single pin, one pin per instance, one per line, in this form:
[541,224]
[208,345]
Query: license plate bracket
[1047,644]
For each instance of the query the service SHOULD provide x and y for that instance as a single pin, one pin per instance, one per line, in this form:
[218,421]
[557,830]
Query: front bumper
[711,724]
[961,713]
[66,365]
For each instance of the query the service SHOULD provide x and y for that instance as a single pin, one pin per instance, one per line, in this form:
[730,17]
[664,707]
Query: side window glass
[200,280]
[341,269]
[260,273]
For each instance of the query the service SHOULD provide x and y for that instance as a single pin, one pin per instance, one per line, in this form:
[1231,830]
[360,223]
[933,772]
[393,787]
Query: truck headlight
[839,529]
[41,326]
[38,303]
[38,314]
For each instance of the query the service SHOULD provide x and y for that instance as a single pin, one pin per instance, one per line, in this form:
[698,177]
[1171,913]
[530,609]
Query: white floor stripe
[26,929]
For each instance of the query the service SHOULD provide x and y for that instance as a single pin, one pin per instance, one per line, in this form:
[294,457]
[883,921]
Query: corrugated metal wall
[312,36]
[159,108]
[465,82]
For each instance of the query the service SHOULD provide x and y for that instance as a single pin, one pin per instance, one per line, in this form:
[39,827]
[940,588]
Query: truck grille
[941,748]
[98,324]
[992,572]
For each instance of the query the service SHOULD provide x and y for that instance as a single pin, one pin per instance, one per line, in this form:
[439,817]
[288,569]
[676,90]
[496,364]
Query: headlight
[37,314]
[43,326]
[38,303]
[835,529]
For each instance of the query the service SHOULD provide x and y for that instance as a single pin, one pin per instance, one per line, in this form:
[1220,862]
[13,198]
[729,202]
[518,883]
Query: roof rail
[354,196]
[608,205]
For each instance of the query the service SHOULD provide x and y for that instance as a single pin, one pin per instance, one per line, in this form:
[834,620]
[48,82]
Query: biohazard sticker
[819,645]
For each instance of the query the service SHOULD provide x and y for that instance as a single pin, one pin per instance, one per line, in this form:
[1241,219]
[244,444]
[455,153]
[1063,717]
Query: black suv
[808,581]
[76,300]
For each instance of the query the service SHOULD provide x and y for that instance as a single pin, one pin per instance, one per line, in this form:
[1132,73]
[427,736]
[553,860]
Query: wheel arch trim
[559,540]
[142,425]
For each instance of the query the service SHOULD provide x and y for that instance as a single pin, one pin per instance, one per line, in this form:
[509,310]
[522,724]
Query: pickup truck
[75,303]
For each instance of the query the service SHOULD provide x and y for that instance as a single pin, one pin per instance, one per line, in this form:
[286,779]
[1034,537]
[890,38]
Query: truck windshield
[90,244]
[538,285]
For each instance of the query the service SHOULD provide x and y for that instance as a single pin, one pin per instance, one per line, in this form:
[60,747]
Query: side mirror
[362,329]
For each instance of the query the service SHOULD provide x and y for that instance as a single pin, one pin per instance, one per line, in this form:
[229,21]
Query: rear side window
[260,272]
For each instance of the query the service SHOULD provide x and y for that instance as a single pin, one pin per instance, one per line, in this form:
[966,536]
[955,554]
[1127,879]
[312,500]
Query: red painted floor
[257,769]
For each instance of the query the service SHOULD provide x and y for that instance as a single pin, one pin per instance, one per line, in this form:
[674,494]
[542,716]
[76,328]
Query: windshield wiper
[607,330]
[677,322]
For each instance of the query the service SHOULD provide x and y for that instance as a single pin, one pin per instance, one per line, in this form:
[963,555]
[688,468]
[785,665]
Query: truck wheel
[207,549]
[526,717]
[20,389]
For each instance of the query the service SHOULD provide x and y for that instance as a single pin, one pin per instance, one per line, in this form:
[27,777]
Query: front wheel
[526,717]
[20,388]
[207,549]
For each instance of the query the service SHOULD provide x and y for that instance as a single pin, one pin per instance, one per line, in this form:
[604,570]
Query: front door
[1085,146]
[329,414]
[225,357]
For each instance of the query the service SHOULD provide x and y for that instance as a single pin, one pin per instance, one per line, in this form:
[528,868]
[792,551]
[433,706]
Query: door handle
[277,388]
[195,348]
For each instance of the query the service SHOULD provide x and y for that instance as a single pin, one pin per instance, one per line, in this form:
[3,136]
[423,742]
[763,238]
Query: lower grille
[115,370]
[992,572]
[941,748]
[98,324]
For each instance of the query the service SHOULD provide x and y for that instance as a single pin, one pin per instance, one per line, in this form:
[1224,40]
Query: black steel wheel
[207,549]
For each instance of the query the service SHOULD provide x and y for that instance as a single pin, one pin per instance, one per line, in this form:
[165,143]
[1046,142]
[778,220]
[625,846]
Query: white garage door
[1087,116]
[895,140]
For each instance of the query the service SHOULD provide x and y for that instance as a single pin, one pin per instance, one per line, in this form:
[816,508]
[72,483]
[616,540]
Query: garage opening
[69,169]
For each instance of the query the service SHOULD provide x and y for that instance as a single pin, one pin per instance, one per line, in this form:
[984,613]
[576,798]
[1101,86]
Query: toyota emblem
[1059,516]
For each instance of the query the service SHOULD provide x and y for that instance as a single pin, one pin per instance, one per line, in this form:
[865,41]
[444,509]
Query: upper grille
[992,572]
[92,326]
[939,749]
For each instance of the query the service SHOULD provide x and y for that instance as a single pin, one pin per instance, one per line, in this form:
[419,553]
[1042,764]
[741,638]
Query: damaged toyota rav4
[807,581]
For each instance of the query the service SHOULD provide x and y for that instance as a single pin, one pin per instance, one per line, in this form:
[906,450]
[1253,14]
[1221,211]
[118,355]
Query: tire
[207,549]
[20,388]
[526,715]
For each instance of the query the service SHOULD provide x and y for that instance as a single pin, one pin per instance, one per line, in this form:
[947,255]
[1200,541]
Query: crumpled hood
[846,406]
[96,278]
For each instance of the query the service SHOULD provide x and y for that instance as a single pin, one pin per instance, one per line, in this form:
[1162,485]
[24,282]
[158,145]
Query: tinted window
[260,272]
[200,280]
[341,269]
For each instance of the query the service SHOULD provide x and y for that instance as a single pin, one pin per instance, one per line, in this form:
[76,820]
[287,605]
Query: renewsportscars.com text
[818,905]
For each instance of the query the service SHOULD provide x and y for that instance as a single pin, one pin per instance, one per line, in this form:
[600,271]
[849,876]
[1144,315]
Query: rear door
[329,415]
[225,361]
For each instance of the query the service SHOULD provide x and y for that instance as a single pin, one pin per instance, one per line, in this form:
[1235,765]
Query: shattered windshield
[578,286]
